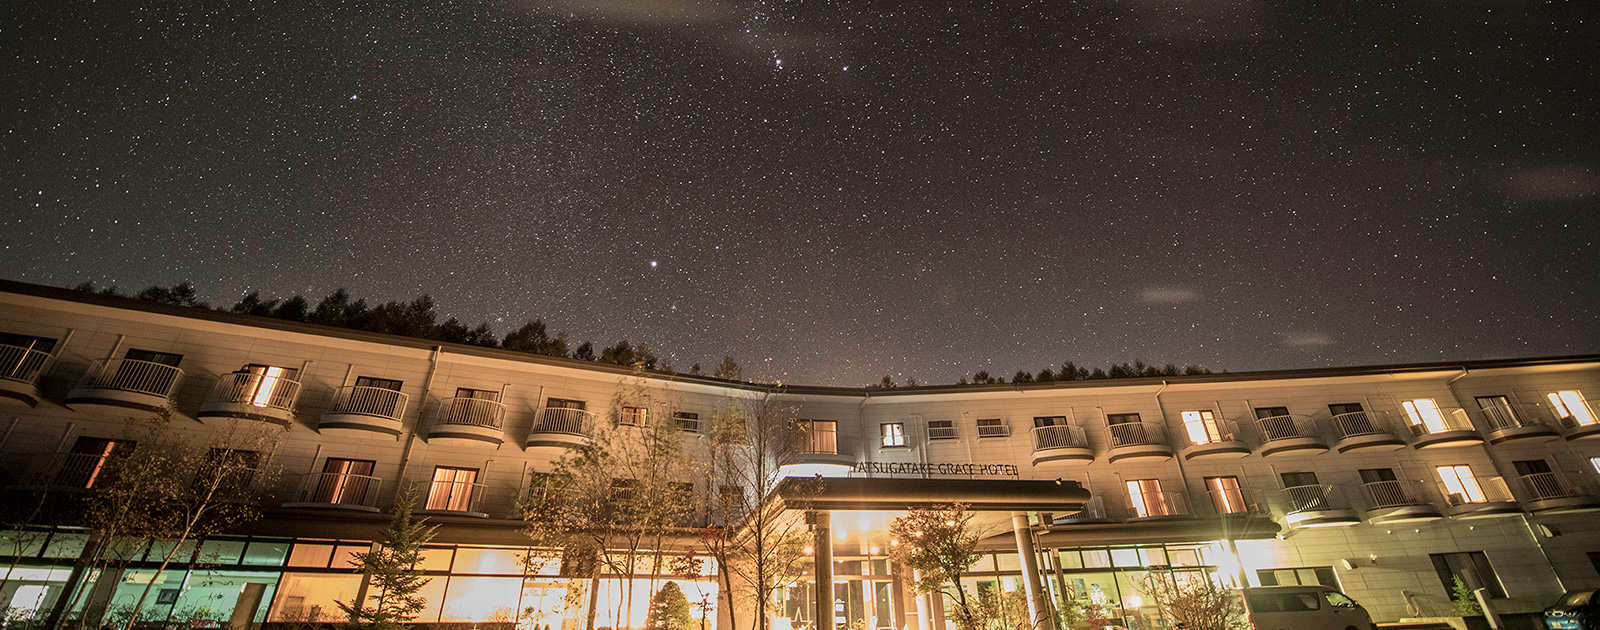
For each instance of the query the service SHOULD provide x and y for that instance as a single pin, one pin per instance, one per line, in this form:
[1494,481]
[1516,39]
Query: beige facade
[1373,478]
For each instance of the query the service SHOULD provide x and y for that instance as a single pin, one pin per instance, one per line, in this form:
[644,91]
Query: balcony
[1288,435]
[1061,444]
[1232,502]
[470,419]
[1449,428]
[1507,424]
[363,408]
[126,383]
[64,472]
[1555,493]
[1580,423]
[20,369]
[816,451]
[1138,442]
[1307,507]
[1213,439]
[1487,497]
[1402,501]
[1094,511]
[1367,431]
[455,498]
[561,427]
[340,491]
[1157,506]
[253,396]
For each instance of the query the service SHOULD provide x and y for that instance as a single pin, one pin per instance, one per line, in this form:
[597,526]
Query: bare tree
[1193,600]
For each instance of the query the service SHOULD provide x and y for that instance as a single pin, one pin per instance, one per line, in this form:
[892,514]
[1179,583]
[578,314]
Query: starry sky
[832,191]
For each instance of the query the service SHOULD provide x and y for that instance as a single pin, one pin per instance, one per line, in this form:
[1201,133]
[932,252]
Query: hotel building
[1386,482]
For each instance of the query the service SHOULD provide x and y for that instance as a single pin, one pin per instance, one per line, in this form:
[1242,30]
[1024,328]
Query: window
[993,427]
[942,430]
[1425,416]
[1122,418]
[452,489]
[344,481]
[89,462]
[893,433]
[1571,409]
[1376,475]
[1275,423]
[1351,419]
[163,358]
[144,371]
[1472,567]
[1539,480]
[22,356]
[1461,485]
[562,403]
[818,437]
[380,383]
[266,386]
[1301,576]
[1201,426]
[468,410]
[634,417]
[1303,493]
[1049,421]
[1226,496]
[1271,412]
[1497,410]
[687,421]
[1144,496]
[1126,429]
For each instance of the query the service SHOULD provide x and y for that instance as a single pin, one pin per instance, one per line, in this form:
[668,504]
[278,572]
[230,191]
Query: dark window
[1472,567]
[1375,475]
[942,430]
[1271,412]
[21,356]
[26,342]
[164,358]
[1294,479]
[89,463]
[561,403]
[1303,493]
[1121,418]
[1531,467]
[1301,576]
[1338,408]
[993,427]
[380,383]
[1048,421]
[687,421]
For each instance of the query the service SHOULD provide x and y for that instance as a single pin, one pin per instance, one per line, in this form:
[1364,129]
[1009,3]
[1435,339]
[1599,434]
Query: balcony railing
[1284,428]
[368,401]
[67,471]
[472,412]
[1059,436]
[1136,434]
[1298,499]
[1501,417]
[339,489]
[132,375]
[1210,431]
[1231,501]
[455,496]
[1158,504]
[1448,419]
[260,390]
[1393,494]
[994,430]
[1549,485]
[1483,490]
[1359,423]
[817,440]
[23,364]
[564,420]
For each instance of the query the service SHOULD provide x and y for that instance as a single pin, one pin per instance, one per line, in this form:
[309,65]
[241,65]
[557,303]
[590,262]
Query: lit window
[1460,482]
[1425,413]
[894,433]
[818,437]
[1571,409]
[452,489]
[635,416]
[268,386]
[1226,495]
[1201,427]
[1144,496]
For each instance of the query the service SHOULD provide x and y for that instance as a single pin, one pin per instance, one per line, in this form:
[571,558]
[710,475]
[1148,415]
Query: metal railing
[23,364]
[1136,434]
[1357,423]
[1482,490]
[1297,499]
[69,471]
[261,390]
[1210,431]
[1449,419]
[1499,417]
[132,375]
[564,420]
[1391,494]
[455,496]
[816,439]
[1575,419]
[1231,501]
[1059,436]
[994,430]
[1093,510]
[943,433]
[332,488]
[1549,485]
[472,412]
[1284,428]
[368,401]
[1152,504]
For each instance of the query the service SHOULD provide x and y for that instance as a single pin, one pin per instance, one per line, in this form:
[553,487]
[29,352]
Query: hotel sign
[935,468]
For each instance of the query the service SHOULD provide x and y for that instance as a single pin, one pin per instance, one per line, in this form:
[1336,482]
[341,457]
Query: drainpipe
[1182,476]
[422,408]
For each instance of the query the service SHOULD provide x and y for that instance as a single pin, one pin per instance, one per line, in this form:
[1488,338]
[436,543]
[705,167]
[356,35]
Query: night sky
[838,190]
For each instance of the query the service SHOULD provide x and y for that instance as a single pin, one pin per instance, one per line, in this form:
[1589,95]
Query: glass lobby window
[1571,409]
[893,433]
[1201,426]
[1461,484]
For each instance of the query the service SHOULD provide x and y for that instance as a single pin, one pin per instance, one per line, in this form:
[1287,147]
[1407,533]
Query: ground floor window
[1471,567]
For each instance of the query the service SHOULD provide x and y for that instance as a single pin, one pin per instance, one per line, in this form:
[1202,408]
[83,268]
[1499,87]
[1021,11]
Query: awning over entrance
[982,495]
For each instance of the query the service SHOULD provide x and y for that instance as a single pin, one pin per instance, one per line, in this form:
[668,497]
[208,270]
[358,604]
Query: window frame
[892,434]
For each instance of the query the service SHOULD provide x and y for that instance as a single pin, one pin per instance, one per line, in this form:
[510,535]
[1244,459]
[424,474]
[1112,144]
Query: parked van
[1303,608]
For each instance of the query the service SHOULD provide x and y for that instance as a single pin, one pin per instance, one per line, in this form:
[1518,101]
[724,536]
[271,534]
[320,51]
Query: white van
[1303,608]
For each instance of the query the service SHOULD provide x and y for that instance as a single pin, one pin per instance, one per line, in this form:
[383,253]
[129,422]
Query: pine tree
[395,578]
[669,610]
